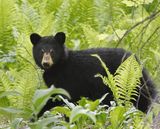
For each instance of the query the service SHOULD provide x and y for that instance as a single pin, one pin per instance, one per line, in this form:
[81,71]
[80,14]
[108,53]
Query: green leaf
[103,97]
[69,104]
[117,117]
[9,110]
[79,111]
[136,3]
[92,105]
[63,110]
[16,123]
[89,104]
[127,79]
[43,95]
[7,93]
[42,124]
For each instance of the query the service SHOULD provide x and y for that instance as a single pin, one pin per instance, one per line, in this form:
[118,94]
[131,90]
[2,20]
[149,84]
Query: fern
[125,82]
[91,23]
[7,11]
[91,36]
[4,86]
[109,80]
[127,78]
[53,5]
[27,15]
[24,82]
[24,79]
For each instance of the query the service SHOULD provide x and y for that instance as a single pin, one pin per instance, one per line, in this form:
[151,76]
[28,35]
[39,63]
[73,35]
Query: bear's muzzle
[47,61]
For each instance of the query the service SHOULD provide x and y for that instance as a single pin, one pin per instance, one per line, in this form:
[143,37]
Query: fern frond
[91,35]
[53,5]
[109,80]
[125,82]
[23,78]
[4,86]
[6,23]
[4,81]
[29,19]
[127,78]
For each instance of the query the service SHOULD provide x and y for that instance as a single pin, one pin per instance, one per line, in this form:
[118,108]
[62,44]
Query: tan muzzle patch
[47,61]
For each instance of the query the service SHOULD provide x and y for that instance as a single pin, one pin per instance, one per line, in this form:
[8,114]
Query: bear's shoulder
[106,54]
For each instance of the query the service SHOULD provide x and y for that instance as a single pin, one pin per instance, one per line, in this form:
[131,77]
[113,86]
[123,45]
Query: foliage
[133,25]
[42,96]
[125,82]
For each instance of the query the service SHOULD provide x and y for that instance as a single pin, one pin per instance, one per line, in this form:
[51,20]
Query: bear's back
[77,73]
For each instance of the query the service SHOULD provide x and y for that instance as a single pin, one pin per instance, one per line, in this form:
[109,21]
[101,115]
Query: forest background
[128,24]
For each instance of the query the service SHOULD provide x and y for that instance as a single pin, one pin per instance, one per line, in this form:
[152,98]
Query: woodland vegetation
[132,25]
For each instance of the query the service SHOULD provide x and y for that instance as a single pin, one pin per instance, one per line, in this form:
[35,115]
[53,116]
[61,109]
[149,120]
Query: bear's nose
[46,65]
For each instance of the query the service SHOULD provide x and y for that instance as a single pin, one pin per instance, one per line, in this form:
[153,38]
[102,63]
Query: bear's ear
[35,38]
[60,37]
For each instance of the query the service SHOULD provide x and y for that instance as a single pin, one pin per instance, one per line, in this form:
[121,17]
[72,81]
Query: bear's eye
[51,50]
[42,50]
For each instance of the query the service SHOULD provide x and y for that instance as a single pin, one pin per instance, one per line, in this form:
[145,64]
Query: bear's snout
[46,65]
[47,61]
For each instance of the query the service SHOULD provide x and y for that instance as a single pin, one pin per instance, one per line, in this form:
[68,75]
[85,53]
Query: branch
[151,17]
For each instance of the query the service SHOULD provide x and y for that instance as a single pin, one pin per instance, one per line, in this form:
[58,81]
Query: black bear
[74,71]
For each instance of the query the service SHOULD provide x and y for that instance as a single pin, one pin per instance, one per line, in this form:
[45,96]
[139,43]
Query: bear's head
[48,50]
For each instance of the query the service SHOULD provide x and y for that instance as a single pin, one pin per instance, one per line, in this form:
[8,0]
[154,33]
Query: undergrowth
[132,25]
